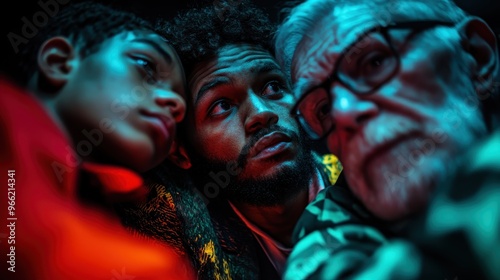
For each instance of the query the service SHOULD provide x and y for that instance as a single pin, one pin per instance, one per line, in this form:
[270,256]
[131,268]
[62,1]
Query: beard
[214,180]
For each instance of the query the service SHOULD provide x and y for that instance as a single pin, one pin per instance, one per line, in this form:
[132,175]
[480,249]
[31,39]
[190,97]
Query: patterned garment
[177,216]
[218,243]
[458,237]
[471,240]
[57,235]
[331,167]
[335,236]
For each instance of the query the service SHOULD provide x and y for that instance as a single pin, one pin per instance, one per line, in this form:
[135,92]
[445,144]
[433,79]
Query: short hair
[86,24]
[201,31]
[301,19]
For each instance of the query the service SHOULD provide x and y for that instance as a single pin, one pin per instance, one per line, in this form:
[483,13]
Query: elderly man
[399,90]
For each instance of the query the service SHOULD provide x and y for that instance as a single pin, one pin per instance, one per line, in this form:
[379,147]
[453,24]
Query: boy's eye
[148,68]
[220,107]
[273,89]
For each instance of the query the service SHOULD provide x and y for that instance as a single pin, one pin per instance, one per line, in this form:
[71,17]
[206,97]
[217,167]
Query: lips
[163,124]
[270,145]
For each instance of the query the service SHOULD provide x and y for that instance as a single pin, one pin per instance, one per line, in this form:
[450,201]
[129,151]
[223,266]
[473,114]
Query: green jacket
[336,236]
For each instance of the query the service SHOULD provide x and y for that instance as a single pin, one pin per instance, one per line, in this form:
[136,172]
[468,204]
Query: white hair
[301,19]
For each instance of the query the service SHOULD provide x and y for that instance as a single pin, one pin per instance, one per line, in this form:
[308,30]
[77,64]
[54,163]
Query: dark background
[11,16]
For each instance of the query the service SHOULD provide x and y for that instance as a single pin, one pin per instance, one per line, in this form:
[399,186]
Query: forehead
[128,36]
[127,39]
[338,29]
[149,38]
[235,63]
[156,42]
[322,45]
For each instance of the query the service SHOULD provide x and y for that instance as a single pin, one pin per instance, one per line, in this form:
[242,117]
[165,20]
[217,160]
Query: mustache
[242,158]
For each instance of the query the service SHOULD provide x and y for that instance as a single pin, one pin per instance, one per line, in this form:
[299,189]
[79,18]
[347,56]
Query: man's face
[240,123]
[121,103]
[397,141]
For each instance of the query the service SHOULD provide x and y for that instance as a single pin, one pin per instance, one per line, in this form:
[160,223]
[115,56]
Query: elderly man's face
[397,139]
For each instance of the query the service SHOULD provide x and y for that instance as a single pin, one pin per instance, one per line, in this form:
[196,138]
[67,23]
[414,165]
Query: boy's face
[121,103]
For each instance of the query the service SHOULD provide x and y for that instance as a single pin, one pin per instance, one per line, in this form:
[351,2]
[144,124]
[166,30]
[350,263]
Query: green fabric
[334,236]
[457,237]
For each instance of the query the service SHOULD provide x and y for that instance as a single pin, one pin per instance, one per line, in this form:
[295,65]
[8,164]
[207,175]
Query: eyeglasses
[362,68]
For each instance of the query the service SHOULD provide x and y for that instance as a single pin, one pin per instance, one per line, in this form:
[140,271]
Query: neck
[277,221]
[48,100]
[50,107]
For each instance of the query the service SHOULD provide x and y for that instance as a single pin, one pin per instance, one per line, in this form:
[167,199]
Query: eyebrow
[259,69]
[218,81]
[265,68]
[157,47]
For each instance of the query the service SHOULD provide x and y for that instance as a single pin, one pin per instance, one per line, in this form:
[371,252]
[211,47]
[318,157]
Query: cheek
[444,99]
[333,144]
[219,142]
[462,122]
[79,110]
[419,83]
[426,72]
[282,109]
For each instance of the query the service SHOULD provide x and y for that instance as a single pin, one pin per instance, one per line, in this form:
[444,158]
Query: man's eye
[148,68]
[274,89]
[220,107]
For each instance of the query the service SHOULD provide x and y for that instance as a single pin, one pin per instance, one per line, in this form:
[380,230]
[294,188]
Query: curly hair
[199,32]
[86,24]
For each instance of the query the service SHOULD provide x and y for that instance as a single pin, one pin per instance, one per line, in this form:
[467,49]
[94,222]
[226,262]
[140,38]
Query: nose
[260,115]
[173,102]
[349,110]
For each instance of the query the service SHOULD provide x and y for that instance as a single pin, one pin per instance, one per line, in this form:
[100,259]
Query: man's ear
[55,59]
[481,44]
[179,156]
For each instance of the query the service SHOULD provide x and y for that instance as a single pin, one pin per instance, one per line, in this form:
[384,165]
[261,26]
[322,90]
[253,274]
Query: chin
[266,171]
[395,210]
[397,199]
[139,160]
[147,155]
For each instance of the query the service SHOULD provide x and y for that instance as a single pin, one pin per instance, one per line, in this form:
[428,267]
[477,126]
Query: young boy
[105,95]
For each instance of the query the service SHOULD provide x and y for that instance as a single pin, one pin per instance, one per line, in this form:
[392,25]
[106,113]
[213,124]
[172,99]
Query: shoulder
[23,120]
[485,155]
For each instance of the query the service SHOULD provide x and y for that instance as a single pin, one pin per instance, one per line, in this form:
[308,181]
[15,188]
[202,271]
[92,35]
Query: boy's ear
[55,59]
[480,42]
[179,156]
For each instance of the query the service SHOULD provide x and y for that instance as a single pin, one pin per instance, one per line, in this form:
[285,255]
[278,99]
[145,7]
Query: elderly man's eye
[376,66]
[372,62]
[323,110]
[315,109]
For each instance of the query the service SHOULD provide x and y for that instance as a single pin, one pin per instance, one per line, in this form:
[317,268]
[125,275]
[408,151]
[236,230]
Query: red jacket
[47,232]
